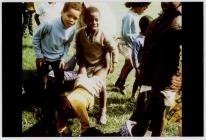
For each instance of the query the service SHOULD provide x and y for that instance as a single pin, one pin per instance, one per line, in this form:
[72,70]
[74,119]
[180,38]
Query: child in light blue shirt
[51,42]
[130,30]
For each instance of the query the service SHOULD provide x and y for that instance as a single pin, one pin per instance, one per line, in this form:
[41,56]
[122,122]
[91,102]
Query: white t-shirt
[48,11]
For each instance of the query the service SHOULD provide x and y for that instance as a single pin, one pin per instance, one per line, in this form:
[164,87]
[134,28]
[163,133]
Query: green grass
[28,120]
[118,106]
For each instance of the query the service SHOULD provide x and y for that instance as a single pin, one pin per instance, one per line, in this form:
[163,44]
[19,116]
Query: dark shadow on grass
[121,101]
[35,100]
[112,88]
[39,129]
[28,73]
[40,103]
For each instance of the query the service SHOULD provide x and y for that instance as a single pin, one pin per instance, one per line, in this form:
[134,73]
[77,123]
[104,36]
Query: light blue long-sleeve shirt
[52,39]
[130,27]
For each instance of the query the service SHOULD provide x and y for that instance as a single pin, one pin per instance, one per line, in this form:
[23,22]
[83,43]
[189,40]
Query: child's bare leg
[103,107]
[102,73]
[103,95]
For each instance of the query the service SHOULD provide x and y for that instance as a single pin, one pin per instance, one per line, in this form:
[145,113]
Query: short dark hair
[136,4]
[90,10]
[144,23]
[74,5]
[170,10]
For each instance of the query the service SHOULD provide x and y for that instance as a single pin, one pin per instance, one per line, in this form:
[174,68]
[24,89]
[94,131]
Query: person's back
[130,29]
[161,46]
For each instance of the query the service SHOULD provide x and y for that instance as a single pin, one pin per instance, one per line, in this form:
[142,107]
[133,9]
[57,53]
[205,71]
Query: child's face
[140,10]
[70,17]
[92,21]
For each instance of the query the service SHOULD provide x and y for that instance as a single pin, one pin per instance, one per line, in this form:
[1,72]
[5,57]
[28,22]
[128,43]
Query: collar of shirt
[89,36]
[132,13]
[60,22]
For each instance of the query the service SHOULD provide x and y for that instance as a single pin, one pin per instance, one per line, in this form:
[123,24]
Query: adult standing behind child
[130,30]
[47,11]
[92,45]
[138,44]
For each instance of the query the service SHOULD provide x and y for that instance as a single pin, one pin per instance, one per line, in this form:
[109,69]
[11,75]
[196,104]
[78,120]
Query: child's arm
[80,56]
[66,49]
[114,64]
[112,48]
[135,55]
[107,61]
[36,40]
[176,82]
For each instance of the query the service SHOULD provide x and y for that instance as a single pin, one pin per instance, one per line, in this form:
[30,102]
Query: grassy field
[119,107]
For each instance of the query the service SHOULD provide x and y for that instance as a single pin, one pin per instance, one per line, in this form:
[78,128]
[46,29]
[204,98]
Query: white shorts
[124,49]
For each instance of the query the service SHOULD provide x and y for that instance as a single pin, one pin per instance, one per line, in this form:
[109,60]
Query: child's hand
[62,64]
[82,69]
[111,69]
[40,62]
[176,82]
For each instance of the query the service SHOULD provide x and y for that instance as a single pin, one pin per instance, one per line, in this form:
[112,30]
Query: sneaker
[103,119]
[127,128]
[130,124]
